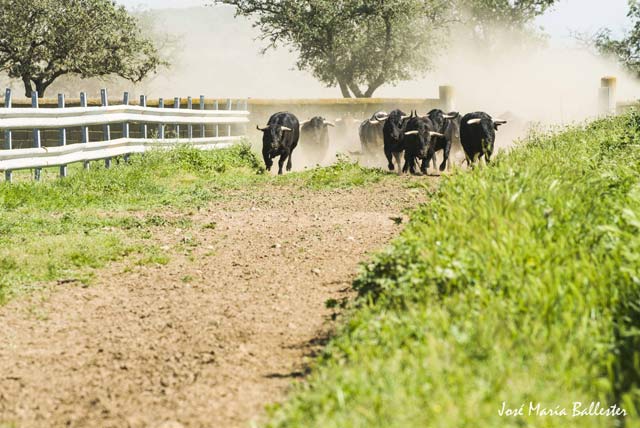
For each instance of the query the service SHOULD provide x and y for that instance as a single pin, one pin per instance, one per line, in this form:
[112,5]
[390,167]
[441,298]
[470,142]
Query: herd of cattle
[394,134]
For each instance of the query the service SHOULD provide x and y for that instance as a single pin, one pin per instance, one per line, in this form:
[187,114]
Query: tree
[358,45]
[42,40]
[627,49]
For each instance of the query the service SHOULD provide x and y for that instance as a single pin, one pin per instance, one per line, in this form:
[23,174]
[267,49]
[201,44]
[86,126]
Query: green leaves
[627,49]
[45,39]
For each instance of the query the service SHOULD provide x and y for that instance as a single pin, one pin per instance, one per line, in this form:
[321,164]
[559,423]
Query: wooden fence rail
[114,140]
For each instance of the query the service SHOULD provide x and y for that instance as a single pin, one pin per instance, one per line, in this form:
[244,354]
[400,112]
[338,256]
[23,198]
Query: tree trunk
[355,90]
[373,87]
[344,88]
[41,87]
[27,86]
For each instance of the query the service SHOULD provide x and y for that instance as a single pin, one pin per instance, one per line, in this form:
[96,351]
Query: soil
[208,339]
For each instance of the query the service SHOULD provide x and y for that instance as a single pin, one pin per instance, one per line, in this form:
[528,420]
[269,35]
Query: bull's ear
[285,128]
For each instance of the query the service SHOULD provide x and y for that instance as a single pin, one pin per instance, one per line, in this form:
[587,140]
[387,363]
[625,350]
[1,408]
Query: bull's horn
[330,124]
[285,128]
[499,122]
[473,121]
[449,116]
[338,120]
[411,133]
[374,122]
[403,117]
[261,129]
[302,124]
[435,134]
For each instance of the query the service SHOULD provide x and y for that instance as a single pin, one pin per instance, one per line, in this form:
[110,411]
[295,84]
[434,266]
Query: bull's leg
[389,155]
[283,157]
[424,166]
[446,152]
[268,162]
[408,163]
[434,160]
[289,165]
[396,155]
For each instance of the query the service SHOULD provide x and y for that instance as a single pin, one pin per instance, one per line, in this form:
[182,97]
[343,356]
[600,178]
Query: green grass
[63,229]
[519,282]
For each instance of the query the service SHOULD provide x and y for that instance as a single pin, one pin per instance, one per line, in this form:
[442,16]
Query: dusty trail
[208,339]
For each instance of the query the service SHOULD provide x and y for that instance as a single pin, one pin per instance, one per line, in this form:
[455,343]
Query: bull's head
[273,136]
[316,128]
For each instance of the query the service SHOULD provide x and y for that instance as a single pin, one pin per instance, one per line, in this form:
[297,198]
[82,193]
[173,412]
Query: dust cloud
[217,55]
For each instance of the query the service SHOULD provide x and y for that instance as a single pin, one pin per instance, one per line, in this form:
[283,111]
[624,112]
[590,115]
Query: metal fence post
[176,105]
[125,125]
[229,107]
[37,142]
[143,103]
[8,142]
[161,126]
[63,135]
[84,130]
[190,126]
[202,127]
[104,100]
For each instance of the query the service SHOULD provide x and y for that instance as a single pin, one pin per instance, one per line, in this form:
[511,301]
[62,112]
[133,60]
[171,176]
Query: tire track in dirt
[208,339]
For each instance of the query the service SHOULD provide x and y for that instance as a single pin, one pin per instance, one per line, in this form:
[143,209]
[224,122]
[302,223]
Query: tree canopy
[627,49]
[359,45]
[42,40]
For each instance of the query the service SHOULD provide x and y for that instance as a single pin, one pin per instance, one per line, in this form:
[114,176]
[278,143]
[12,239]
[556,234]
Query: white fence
[151,121]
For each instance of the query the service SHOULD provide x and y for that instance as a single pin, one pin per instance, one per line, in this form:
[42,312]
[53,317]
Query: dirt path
[208,339]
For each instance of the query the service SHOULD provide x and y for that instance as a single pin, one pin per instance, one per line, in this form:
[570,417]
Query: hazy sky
[567,16]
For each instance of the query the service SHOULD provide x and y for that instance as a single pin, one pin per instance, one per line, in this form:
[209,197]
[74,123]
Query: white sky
[567,16]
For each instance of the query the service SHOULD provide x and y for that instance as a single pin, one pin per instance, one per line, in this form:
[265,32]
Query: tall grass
[517,283]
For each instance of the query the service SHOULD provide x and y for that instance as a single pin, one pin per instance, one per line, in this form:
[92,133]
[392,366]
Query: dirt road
[207,339]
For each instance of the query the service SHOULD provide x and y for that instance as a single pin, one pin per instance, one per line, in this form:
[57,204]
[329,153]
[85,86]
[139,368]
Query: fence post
[161,126]
[63,135]
[607,95]
[125,125]
[104,100]
[143,103]
[37,142]
[176,105]
[216,107]
[229,107]
[190,126]
[246,108]
[447,98]
[84,130]
[8,142]
[202,127]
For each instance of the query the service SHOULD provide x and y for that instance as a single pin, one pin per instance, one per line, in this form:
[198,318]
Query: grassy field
[518,283]
[61,230]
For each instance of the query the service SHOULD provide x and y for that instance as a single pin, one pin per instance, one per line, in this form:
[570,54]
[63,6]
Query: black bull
[478,136]
[279,138]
